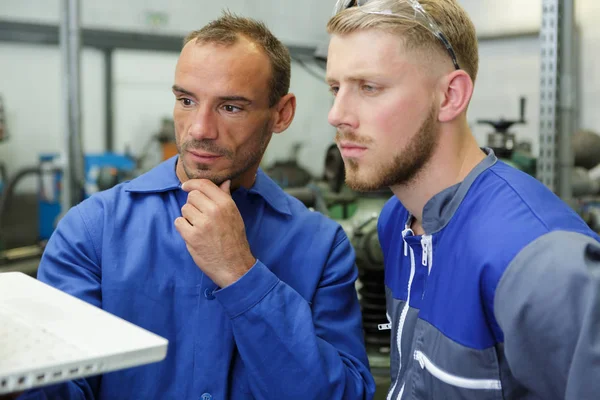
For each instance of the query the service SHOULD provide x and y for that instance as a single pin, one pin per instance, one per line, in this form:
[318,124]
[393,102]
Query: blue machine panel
[49,204]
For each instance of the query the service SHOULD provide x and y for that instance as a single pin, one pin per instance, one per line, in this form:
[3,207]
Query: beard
[241,161]
[403,169]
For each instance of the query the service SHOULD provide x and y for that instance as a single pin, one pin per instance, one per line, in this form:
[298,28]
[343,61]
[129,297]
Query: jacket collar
[440,209]
[163,178]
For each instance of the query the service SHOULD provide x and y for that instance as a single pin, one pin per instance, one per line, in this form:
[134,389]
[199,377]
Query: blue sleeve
[293,349]
[71,263]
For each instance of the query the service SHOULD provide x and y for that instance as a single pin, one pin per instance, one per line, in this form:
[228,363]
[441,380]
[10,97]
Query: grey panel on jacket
[548,306]
[432,364]
[445,369]
[440,209]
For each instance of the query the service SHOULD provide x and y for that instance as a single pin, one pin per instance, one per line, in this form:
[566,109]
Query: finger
[200,201]
[196,184]
[183,227]
[191,214]
[211,190]
[226,186]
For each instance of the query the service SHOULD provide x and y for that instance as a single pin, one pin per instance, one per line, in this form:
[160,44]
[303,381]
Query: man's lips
[203,156]
[351,150]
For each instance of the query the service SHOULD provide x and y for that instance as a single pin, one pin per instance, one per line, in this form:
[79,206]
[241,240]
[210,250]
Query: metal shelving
[557,96]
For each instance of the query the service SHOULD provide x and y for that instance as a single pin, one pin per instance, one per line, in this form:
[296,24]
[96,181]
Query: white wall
[142,96]
[504,16]
[294,22]
[31,83]
[31,88]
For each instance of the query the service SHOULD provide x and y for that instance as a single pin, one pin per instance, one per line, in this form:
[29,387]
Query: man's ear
[457,89]
[285,110]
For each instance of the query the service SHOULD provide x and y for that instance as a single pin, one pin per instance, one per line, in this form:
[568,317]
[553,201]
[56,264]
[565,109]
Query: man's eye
[334,90]
[231,109]
[186,102]
[369,88]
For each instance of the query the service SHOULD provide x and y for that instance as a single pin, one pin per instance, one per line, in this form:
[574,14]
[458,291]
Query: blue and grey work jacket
[498,299]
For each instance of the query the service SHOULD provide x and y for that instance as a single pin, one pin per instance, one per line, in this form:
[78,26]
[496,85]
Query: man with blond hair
[255,293]
[490,284]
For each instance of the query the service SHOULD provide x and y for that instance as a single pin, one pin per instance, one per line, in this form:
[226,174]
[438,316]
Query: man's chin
[361,183]
[193,173]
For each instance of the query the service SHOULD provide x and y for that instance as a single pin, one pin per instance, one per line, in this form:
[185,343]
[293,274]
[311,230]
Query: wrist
[236,271]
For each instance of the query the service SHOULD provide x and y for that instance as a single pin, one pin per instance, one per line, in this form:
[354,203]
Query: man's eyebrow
[243,99]
[354,78]
[235,98]
[182,90]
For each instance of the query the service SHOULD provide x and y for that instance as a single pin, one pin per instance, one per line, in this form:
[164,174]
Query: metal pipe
[70,42]
[567,98]
[108,99]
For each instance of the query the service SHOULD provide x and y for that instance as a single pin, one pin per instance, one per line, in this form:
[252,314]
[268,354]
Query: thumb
[226,186]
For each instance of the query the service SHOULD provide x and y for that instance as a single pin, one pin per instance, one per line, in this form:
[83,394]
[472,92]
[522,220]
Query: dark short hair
[227,30]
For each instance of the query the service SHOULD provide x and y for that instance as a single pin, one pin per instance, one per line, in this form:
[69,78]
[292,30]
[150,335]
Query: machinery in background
[165,138]
[289,173]
[102,171]
[505,145]
[586,149]
[586,177]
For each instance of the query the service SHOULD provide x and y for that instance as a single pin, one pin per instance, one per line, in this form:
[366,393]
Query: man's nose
[203,125]
[341,111]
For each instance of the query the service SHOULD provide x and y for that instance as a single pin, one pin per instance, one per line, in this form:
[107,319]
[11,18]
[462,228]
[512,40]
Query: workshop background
[112,63]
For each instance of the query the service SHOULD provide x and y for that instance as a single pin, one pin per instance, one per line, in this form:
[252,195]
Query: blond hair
[227,30]
[450,17]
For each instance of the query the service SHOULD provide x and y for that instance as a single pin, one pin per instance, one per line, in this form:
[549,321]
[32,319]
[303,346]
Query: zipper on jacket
[458,381]
[426,258]
[404,313]
[386,327]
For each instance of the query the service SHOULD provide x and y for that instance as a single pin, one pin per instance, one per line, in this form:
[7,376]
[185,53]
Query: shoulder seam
[522,200]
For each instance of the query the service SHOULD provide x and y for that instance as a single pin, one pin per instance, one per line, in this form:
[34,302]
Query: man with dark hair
[254,292]
[489,283]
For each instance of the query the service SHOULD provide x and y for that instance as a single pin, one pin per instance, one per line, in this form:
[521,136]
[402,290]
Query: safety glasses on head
[407,9]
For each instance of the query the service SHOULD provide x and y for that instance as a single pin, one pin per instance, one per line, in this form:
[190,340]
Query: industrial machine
[289,173]
[585,180]
[165,137]
[102,171]
[505,145]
